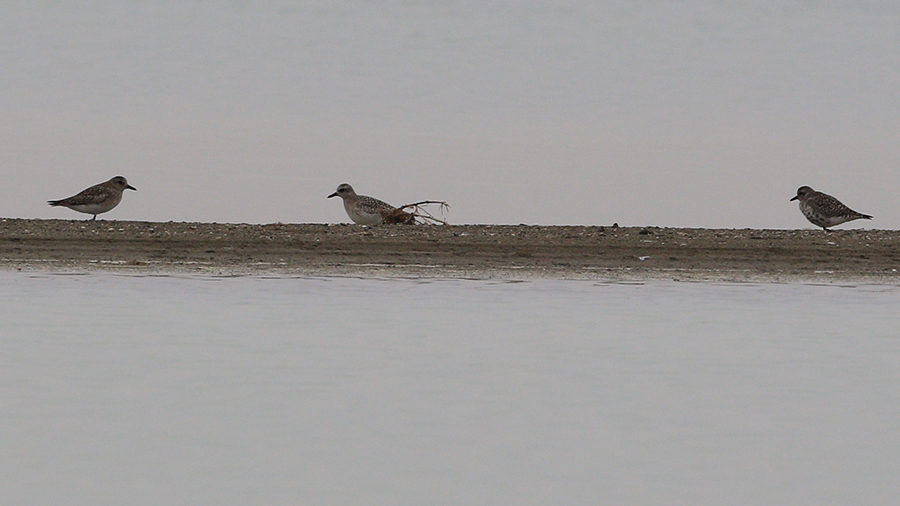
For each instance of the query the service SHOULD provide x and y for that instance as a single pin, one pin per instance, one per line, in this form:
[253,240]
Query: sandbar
[452,251]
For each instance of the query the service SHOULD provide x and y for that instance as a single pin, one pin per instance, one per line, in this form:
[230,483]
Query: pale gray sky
[689,113]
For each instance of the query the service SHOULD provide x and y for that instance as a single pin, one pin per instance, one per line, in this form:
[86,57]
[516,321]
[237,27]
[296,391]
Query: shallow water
[199,390]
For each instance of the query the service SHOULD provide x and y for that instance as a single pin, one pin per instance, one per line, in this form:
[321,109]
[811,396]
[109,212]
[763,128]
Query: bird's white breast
[362,218]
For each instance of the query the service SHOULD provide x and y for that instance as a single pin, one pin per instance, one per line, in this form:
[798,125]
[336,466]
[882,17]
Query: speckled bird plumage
[823,210]
[97,199]
[362,209]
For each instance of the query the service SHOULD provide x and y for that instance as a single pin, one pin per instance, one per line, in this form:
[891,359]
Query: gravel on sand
[454,251]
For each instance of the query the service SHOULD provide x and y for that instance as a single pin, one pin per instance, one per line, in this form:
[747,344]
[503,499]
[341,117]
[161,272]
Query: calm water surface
[199,390]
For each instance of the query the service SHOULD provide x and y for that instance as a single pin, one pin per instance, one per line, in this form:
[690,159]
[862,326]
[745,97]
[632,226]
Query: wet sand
[456,251]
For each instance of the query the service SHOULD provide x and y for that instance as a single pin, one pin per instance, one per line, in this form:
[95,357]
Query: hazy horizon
[687,114]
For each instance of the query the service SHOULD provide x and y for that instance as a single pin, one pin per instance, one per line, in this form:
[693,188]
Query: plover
[361,209]
[97,199]
[823,210]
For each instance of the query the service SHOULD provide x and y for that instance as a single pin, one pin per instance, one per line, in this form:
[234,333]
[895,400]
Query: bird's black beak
[129,187]
[333,195]
[795,198]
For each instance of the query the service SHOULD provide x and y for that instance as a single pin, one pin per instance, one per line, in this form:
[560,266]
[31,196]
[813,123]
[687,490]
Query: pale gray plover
[97,199]
[361,209]
[823,210]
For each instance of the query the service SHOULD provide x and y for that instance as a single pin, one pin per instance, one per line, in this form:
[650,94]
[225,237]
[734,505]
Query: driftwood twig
[415,213]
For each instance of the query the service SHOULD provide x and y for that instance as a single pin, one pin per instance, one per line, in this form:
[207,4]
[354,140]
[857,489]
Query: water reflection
[342,390]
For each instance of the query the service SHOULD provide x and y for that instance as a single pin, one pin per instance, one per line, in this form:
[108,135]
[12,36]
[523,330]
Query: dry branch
[415,213]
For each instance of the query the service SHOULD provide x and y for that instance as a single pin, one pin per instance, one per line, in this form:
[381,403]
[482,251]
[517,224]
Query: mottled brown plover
[361,209]
[823,210]
[97,199]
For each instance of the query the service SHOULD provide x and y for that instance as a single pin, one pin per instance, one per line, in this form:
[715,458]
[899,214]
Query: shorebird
[823,210]
[97,199]
[361,209]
